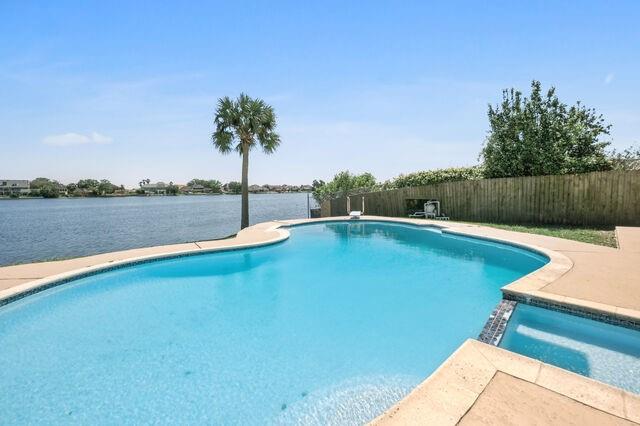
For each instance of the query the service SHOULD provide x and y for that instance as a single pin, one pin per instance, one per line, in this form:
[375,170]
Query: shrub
[343,183]
[430,177]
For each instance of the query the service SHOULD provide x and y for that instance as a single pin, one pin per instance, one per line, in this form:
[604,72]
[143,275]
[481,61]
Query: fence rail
[600,198]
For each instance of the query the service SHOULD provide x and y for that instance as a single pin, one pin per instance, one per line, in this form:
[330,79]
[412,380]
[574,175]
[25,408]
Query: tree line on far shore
[51,188]
[528,136]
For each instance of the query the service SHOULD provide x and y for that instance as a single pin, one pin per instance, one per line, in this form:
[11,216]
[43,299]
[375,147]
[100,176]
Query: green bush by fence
[430,177]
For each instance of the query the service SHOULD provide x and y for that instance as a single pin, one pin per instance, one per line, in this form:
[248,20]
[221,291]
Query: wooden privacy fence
[600,198]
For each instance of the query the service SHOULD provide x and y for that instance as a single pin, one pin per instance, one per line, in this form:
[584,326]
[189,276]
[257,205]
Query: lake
[46,229]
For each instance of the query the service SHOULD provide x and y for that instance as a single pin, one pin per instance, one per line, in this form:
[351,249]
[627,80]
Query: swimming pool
[591,348]
[333,325]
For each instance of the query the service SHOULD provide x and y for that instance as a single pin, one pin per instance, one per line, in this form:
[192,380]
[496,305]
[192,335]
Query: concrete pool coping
[578,275]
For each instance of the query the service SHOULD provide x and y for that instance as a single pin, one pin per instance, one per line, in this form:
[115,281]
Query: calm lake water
[38,229]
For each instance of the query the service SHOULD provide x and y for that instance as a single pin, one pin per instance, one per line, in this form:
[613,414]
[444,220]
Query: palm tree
[241,124]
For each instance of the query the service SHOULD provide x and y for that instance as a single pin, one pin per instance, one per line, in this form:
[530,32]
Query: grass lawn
[604,236]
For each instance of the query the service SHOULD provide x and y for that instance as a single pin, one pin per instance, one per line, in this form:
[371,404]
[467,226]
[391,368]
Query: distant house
[196,189]
[257,188]
[14,187]
[62,189]
[199,189]
[226,189]
[275,188]
[159,188]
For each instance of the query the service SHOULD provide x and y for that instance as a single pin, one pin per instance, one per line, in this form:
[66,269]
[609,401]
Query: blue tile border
[572,310]
[495,326]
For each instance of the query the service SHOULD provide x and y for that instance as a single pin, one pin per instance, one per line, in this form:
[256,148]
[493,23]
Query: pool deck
[478,384]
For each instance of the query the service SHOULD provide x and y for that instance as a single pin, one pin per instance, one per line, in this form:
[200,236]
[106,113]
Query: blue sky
[127,90]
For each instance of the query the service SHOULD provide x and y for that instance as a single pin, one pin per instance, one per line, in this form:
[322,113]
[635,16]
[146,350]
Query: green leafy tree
[45,187]
[343,183]
[172,189]
[540,135]
[235,187]
[88,184]
[104,187]
[50,190]
[213,185]
[39,183]
[240,125]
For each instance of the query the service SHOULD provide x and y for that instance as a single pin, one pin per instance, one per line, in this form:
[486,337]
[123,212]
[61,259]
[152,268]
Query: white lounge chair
[355,214]
[431,210]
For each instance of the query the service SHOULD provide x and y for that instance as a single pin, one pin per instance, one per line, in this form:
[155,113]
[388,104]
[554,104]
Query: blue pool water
[333,325]
[595,349]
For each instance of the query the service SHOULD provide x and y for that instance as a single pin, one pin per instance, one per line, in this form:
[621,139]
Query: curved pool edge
[266,233]
[527,288]
[262,234]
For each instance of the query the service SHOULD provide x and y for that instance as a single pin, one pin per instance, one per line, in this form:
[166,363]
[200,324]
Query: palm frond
[244,121]
[269,142]
[223,140]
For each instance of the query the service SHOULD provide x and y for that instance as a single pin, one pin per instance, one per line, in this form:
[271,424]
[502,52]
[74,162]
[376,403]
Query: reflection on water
[226,263]
[543,346]
[440,244]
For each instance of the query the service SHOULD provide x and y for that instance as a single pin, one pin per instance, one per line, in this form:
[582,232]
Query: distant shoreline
[3,198]
[41,230]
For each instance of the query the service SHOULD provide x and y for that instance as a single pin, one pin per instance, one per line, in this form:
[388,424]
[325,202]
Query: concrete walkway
[628,238]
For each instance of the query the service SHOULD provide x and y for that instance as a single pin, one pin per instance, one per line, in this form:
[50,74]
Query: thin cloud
[609,78]
[72,139]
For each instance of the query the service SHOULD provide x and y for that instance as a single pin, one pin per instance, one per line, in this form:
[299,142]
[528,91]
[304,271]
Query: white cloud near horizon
[73,139]
[609,78]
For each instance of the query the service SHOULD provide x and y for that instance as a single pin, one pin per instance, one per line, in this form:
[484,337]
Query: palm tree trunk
[245,186]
